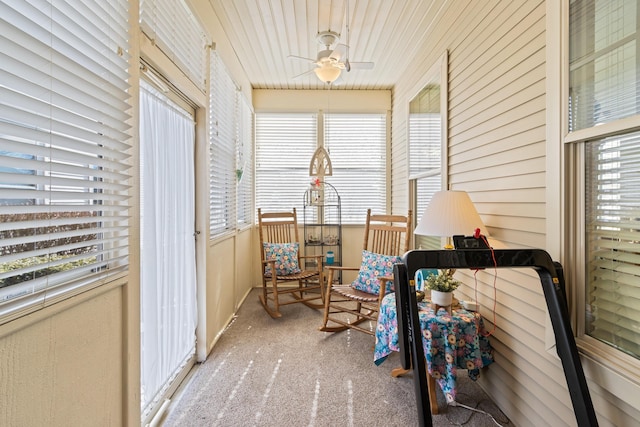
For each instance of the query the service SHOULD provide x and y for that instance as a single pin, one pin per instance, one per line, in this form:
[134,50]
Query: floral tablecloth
[451,342]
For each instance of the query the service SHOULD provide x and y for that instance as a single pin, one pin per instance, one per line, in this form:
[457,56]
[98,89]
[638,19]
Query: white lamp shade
[450,213]
[327,73]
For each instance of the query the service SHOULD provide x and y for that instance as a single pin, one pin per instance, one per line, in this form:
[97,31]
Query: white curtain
[168,271]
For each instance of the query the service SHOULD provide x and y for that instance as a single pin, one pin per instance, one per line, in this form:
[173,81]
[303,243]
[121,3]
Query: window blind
[356,144]
[244,167]
[176,31]
[613,233]
[285,144]
[223,132]
[64,147]
[425,156]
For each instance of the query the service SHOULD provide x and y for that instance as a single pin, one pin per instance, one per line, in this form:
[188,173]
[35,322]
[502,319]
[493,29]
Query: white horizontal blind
[425,160]
[176,31]
[223,132]
[285,144]
[356,144]
[64,146]
[244,167]
[613,233]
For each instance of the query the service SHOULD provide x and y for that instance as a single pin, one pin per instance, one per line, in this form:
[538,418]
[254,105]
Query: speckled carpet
[284,372]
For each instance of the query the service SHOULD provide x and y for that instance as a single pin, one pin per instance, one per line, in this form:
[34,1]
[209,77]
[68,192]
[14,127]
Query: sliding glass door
[168,269]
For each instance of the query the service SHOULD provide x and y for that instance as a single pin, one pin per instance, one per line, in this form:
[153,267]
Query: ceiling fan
[330,62]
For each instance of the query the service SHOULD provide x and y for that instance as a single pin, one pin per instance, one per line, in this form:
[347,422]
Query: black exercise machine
[552,279]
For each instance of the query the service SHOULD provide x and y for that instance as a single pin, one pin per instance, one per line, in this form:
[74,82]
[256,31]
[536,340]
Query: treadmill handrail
[552,280]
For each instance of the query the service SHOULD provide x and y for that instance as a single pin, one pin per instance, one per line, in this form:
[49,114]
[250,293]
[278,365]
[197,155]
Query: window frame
[567,203]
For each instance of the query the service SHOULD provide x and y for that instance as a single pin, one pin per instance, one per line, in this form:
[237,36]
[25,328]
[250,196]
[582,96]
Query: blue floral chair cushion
[374,266]
[285,256]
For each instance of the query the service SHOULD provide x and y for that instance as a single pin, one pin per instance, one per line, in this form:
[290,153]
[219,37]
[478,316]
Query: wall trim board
[334,101]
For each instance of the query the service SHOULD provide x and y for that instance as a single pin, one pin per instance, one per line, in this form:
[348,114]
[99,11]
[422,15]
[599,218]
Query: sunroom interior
[529,107]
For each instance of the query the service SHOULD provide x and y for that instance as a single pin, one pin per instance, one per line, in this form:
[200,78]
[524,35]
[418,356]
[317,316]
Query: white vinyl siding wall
[496,152]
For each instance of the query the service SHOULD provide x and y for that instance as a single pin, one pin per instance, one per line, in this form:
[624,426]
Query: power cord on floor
[454,403]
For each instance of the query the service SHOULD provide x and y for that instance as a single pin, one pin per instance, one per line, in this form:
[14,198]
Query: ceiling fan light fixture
[327,73]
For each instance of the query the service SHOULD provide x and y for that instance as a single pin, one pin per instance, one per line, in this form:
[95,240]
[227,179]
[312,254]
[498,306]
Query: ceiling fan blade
[303,58]
[362,65]
[339,52]
[303,74]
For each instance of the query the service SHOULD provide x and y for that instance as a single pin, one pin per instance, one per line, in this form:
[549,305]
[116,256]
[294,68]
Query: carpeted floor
[284,372]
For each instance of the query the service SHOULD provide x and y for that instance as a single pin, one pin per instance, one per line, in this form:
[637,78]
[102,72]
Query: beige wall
[337,101]
[64,365]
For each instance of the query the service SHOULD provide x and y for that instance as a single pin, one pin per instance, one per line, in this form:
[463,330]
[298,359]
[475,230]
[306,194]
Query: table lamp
[448,214]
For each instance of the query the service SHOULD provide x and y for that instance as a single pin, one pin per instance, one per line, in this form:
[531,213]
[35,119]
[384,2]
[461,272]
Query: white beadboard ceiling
[265,32]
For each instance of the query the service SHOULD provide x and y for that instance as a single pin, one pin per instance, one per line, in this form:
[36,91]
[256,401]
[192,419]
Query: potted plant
[442,286]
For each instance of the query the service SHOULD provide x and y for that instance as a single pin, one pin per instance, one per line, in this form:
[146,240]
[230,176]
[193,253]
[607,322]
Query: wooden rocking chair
[280,253]
[346,306]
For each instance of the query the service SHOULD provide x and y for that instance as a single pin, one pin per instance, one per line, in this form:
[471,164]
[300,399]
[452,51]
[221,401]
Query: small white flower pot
[441,298]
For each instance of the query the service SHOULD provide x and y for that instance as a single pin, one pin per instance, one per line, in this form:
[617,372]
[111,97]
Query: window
[603,115]
[64,148]
[244,165]
[223,132]
[356,144]
[426,142]
[284,146]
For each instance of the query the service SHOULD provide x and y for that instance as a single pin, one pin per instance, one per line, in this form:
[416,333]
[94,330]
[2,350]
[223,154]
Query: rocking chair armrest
[383,287]
[332,269]
[271,262]
[386,279]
